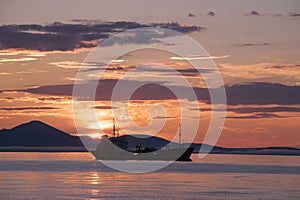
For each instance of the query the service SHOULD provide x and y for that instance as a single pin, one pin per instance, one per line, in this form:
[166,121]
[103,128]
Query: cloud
[258,93]
[287,74]
[28,53]
[104,107]
[256,13]
[166,71]
[199,57]
[164,117]
[27,108]
[283,67]
[70,36]
[252,44]
[7,98]
[292,14]
[150,36]
[5,73]
[211,14]
[256,110]
[191,15]
[245,110]
[5,60]
[118,61]
[262,93]
[253,13]
[256,116]
[56,99]
[66,64]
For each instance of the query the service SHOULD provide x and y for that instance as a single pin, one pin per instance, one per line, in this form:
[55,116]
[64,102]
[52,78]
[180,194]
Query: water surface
[78,176]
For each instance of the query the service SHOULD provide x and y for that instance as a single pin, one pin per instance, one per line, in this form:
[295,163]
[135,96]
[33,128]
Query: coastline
[238,151]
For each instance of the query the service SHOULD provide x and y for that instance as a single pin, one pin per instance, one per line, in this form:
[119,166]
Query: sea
[79,176]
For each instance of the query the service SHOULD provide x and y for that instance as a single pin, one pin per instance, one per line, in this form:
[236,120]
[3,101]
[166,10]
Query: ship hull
[178,154]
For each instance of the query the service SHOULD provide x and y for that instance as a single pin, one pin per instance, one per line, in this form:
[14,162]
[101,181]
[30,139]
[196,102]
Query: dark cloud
[253,13]
[70,36]
[195,72]
[27,108]
[245,110]
[257,110]
[12,36]
[7,98]
[150,91]
[164,117]
[104,107]
[177,27]
[292,14]
[252,44]
[256,116]
[211,14]
[258,93]
[191,15]
[185,72]
[261,93]
[283,67]
[254,112]
[53,98]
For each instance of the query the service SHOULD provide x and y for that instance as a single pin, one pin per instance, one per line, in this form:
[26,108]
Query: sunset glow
[261,73]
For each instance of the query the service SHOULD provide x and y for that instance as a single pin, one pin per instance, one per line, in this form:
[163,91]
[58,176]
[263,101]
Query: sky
[254,45]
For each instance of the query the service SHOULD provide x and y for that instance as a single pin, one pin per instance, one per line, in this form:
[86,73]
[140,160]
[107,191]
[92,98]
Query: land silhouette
[37,136]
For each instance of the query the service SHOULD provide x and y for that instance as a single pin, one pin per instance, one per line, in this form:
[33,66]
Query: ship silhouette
[116,148]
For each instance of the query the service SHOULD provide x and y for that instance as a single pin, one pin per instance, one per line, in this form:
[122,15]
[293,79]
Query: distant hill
[36,133]
[38,136]
[158,142]
[145,141]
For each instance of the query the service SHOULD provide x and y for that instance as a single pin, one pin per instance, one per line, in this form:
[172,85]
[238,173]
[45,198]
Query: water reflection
[72,179]
[95,179]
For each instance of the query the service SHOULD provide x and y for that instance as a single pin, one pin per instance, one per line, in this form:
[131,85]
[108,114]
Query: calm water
[78,176]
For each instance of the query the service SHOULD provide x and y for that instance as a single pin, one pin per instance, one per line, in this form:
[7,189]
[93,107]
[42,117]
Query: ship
[116,148]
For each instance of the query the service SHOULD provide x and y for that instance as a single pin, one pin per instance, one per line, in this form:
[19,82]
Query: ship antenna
[114,128]
[180,133]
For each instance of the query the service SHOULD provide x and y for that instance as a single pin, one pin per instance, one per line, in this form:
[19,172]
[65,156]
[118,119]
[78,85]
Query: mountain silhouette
[38,136]
[145,141]
[157,142]
[37,133]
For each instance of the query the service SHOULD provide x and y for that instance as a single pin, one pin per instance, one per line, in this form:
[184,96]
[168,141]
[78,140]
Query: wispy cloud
[117,61]
[5,73]
[31,71]
[288,74]
[27,108]
[292,14]
[256,116]
[245,110]
[23,52]
[198,57]
[66,64]
[253,13]
[252,44]
[16,59]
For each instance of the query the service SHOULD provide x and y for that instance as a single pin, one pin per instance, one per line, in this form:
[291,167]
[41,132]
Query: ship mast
[180,133]
[116,131]
[114,128]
